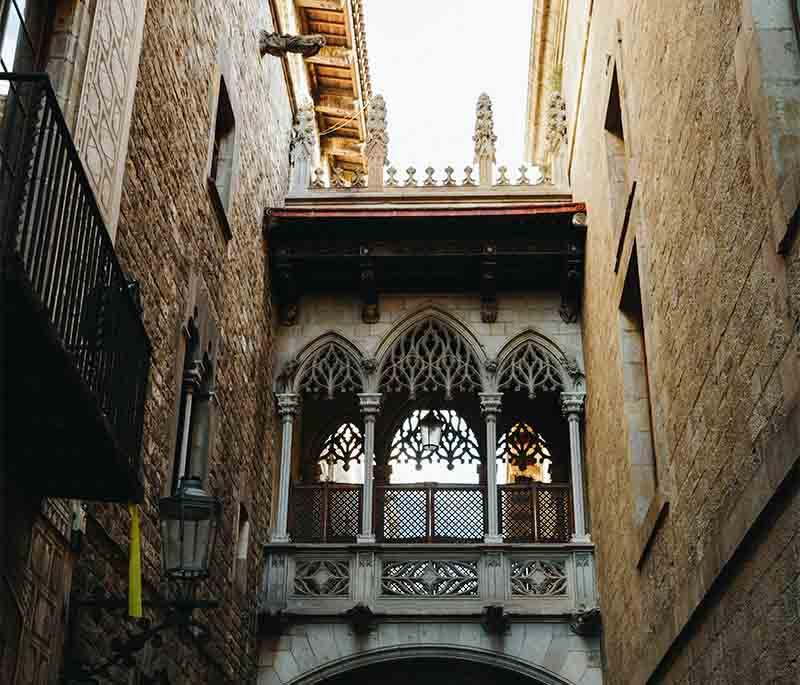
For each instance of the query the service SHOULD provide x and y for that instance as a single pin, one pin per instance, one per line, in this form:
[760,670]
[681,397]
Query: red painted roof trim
[518,210]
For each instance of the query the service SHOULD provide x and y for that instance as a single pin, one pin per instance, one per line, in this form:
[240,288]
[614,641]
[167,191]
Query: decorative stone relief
[523,446]
[556,121]
[411,180]
[392,179]
[449,180]
[430,356]
[523,179]
[322,578]
[330,370]
[435,578]
[529,369]
[343,446]
[319,181]
[301,148]
[539,578]
[503,180]
[468,180]
[429,179]
[106,103]
[338,180]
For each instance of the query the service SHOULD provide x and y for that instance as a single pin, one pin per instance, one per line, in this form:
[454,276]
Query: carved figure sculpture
[279,44]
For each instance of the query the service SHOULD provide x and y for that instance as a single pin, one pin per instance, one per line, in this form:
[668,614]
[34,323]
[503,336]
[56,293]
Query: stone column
[377,144]
[490,407]
[572,407]
[288,405]
[370,406]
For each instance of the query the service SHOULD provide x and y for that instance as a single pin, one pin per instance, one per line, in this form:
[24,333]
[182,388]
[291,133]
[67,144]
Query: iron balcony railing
[55,243]
[431,512]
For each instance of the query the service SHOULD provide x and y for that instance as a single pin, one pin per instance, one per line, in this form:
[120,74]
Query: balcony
[77,356]
[431,513]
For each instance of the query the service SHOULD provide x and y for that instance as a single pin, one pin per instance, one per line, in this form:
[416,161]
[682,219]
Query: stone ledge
[646,532]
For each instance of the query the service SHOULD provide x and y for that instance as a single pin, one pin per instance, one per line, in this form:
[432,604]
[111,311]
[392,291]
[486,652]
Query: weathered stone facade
[699,177]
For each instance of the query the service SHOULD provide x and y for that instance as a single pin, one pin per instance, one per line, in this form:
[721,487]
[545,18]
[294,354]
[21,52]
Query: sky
[431,59]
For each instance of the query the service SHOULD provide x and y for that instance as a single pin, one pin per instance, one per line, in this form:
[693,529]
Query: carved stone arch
[327,366]
[530,362]
[539,675]
[431,351]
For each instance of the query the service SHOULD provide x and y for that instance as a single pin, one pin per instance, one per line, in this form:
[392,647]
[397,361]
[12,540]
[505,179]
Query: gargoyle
[278,44]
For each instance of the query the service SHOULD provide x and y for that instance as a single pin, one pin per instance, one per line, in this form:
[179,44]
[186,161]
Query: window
[641,452]
[220,174]
[25,29]
[242,544]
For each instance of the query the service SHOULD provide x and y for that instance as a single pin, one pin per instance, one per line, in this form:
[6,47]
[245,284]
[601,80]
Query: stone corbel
[571,284]
[586,622]
[495,620]
[370,312]
[489,285]
[287,291]
[361,618]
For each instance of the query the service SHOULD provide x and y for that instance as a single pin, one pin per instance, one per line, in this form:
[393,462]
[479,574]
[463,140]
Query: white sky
[431,59]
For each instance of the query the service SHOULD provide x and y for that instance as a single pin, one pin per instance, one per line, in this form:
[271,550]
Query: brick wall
[168,231]
[721,310]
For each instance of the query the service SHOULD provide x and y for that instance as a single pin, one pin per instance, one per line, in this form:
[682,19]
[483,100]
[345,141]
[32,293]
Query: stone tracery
[529,369]
[330,370]
[458,444]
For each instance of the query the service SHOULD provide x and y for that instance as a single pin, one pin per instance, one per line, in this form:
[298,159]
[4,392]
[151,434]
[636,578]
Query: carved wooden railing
[325,512]
[55,243]
[535,512]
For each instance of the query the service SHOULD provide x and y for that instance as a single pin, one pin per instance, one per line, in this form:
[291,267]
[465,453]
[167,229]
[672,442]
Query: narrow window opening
[616,161]
[242,545]
[222,152]
[638,413]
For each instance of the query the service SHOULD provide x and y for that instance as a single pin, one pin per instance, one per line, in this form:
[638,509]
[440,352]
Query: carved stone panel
[106,103]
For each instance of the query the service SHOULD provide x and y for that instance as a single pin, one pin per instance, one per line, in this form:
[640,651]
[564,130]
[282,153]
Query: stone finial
[503,180]
[301,147]
[279,44]
[318,181]
[338,181]
[411,180]
[556,121]
[429,179]
[392,176]
[468,180]
[377,145]
[449,180]
[523,176]
[484,139]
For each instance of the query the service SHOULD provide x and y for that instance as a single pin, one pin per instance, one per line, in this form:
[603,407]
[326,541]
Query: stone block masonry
[169,233]
[715,596]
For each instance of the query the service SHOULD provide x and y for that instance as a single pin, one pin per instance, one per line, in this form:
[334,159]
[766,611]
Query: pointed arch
[327,366]
[430,351]
[532,363]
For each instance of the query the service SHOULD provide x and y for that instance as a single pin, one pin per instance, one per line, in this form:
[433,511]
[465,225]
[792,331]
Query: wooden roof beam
[331,56]
[328,5]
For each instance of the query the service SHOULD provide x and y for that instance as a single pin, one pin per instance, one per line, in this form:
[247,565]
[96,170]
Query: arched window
[452,462]
[341,459]
[524,455]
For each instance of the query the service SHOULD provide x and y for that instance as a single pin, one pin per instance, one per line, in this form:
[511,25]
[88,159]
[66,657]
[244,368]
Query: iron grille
[55,243]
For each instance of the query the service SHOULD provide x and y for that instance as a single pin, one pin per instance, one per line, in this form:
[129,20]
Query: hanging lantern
[430,428]
[189,520]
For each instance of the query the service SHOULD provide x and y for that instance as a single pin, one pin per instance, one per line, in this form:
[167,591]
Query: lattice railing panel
[344,514]
[306,518]
[535,513]
[539,578]
[325,513]
[553,520]
[402,514]
[458,515]
[516,514]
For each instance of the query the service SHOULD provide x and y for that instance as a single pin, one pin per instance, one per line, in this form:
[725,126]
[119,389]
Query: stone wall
[703,590]
[169,233]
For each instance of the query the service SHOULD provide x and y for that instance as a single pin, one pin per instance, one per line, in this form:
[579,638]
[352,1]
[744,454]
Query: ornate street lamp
[430,429]
[189,520]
